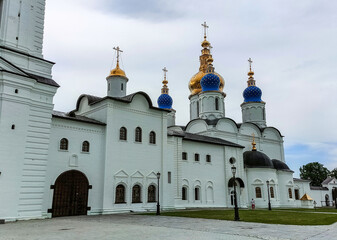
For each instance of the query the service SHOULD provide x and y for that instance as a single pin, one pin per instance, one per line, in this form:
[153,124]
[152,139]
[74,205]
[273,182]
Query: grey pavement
[139,227]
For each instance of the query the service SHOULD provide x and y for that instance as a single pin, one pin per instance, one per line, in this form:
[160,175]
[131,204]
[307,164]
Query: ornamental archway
[70,194]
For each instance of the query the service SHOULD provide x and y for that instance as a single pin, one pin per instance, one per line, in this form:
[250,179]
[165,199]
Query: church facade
[120,152]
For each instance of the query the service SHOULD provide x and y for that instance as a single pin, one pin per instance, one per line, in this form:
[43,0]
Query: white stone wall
[91,164]
[24,149]
[22,24]
[258,177]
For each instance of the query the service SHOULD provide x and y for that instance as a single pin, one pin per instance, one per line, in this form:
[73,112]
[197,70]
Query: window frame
[134,196]
[64,146]
[290,193]
[138,134]
[208,158]
[184,156]
[197,193]
[119,201]
[184,193]
[217,104]
[85,148]
[272,192]
[297,194]
[123,134]
[152,137]
[151,198]
[258,192]
[197,157]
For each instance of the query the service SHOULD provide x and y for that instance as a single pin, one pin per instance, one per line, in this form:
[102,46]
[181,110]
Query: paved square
[130,226]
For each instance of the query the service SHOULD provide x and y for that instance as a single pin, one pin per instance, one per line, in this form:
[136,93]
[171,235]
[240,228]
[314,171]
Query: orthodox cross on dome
[205,29]
[165,71]
[118,50]
[250,64]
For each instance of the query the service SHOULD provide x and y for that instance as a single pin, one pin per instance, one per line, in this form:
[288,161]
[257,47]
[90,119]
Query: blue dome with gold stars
[252,94]
[165,101]
[210,82]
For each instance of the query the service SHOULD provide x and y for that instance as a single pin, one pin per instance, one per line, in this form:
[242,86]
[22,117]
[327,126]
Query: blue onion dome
[210,82]
[165,100]
[252,93]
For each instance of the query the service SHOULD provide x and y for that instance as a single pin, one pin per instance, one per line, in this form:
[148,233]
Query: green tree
[333,173]
[315,172]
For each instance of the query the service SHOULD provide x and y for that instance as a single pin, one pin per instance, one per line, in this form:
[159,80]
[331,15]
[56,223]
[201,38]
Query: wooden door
[70,194]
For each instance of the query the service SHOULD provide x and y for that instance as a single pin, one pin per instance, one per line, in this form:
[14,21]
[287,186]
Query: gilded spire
[165,89]
[194,84]
[251,81]
[117,71]
[253,143]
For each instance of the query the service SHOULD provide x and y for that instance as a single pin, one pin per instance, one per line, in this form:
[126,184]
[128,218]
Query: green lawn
[310,209]
[261,216]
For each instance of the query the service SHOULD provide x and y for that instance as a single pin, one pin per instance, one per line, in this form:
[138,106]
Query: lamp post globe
[158,205]
[236,209]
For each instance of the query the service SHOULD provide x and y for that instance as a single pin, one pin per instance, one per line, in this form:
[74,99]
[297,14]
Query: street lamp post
[236,209]
[334,195]
[269,205]
[158,206]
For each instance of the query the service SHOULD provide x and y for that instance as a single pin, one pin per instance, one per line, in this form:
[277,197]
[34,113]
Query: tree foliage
[315,172]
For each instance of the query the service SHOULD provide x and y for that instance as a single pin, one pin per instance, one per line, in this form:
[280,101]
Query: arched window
[120,194]
[152,137]
[258,193]
[85,146]
[184,193]
[136,191]
[138,134]
[197,193]
[327,203]
[290,193]
[197,108]
[272,195]
[297,194]
[64,144]
[216,103]
[122,133]
[151,193]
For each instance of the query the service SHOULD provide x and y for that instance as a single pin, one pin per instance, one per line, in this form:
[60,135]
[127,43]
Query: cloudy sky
[293,45]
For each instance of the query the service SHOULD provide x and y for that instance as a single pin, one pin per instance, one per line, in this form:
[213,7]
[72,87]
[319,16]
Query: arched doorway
[70,194]
[327,200]
[238,186]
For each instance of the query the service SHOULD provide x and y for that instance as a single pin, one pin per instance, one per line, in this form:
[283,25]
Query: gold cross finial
[253,143]
[118,50]
[205,29]
[250,64]
[165,71]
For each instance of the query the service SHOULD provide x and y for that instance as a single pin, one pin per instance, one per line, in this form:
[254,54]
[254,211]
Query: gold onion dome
[117,71]
[194,84]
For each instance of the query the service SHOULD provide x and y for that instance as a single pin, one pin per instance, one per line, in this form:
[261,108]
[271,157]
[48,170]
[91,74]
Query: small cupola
[165,100]
[117,79]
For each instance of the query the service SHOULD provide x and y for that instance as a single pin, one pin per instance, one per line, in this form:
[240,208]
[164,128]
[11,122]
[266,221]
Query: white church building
[104,156]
